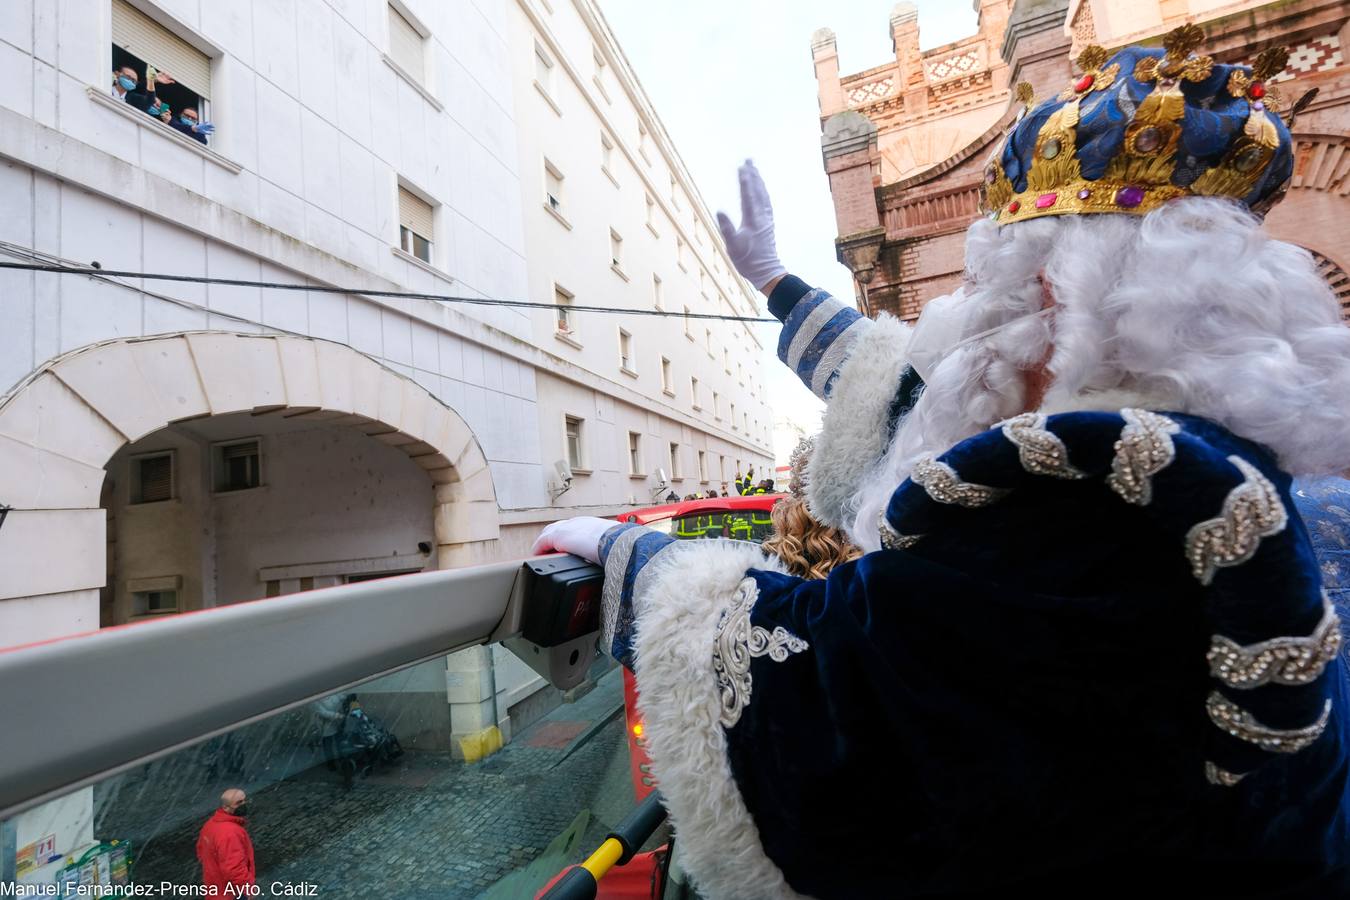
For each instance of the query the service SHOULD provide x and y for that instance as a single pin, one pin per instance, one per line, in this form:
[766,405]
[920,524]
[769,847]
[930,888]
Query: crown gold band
[1082,196]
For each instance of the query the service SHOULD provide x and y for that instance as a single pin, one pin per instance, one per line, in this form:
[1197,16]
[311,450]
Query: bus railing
[89,706]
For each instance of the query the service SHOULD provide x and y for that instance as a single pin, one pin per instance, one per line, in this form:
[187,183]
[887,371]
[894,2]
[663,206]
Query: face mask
[126,83]
[241,809]
[186,121]
[156,110]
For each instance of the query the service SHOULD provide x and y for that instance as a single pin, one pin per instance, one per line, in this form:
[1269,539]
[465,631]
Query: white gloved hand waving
[751,247]
[579,537]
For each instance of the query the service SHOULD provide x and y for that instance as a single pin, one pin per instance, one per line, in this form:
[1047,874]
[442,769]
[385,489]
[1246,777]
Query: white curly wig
[1192,308]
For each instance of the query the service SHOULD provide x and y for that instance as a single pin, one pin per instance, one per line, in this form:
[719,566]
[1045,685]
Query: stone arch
[60,426]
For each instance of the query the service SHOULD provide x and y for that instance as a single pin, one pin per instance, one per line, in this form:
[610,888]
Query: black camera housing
[562,600]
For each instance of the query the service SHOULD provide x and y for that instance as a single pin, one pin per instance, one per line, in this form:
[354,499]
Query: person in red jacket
[224,847]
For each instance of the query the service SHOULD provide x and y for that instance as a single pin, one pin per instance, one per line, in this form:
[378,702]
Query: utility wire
[16,250]
[99,272]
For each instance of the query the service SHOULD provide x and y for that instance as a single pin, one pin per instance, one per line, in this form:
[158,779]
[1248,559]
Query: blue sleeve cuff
[624,551]
[817,336]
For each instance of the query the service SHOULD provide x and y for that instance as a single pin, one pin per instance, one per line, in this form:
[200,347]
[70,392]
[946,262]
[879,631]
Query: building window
[722,468]
[740,373]
[656,291]
[563,298]
[644,139]
[553,187]
[152,478]
[693,391]
[675,462]
[600,77]
[733,423]
[651,213]
[415,217]
[679,252]
[726,359]
[407,45]
[717,406]
[151,603]
[606,155]
[674,191]
[615,250]
[687,333]
[543,71]
[634,453]
[237,465]
[703,467]
[707,340]
[665,376]
[625,351]
[745,422]
[172,77]
[572,427]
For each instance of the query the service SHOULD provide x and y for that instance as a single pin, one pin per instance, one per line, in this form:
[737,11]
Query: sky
[733,79]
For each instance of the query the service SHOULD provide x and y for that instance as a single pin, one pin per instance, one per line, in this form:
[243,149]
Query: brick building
[905,142]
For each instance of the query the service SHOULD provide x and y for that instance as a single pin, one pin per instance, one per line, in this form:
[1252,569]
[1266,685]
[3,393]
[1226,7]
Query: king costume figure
[1094,643]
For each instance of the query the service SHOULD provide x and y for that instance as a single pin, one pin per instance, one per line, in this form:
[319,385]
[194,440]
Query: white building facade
[170,446]
[613,219]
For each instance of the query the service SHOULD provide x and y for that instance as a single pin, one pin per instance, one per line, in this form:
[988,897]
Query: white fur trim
[854,437]
[678,599]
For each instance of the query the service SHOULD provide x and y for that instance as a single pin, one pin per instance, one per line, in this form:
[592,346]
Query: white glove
[751,247]
[579,537]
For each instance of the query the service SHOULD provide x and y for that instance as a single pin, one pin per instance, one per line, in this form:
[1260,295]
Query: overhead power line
[99,272]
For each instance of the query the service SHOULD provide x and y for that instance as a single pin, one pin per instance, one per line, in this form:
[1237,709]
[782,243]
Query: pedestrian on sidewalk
[224,848]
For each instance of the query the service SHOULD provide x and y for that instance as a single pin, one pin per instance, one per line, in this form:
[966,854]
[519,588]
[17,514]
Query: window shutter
[137,33]
[414,214]
[156,478]
[405,45]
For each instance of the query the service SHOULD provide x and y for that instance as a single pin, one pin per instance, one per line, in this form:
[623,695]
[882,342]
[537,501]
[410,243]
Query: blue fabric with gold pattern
[1142,127]
[1324,504]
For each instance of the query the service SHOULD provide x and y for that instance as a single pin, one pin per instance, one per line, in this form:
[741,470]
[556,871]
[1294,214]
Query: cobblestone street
[428,826]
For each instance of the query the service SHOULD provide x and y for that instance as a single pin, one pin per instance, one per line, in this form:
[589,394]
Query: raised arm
[857,365]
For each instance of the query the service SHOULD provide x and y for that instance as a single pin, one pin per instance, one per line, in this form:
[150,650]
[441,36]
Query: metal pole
[582,882]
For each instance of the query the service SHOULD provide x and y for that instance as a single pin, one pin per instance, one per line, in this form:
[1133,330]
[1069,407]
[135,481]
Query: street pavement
[425,826]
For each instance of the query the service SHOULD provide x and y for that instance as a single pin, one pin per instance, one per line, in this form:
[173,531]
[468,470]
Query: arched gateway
[60,427]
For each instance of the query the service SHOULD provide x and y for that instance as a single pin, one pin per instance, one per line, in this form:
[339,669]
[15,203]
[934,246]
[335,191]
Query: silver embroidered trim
[1235,720]
[811,326]
[1222,777]
[1281,660]
[1145,448]
[738,642]
[1251,511]
[616,564]
[892,539]
[1040,451]
[945,486]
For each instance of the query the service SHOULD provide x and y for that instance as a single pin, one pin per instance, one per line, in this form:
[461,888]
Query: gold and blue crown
[1142,127]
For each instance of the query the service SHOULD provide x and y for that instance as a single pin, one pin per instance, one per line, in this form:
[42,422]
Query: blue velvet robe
[1018,693]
